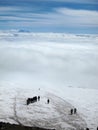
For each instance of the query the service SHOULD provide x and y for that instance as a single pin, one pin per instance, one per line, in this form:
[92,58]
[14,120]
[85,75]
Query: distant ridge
[22,30]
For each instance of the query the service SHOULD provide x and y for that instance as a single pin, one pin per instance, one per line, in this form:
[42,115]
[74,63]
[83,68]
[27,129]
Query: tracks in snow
[54,115]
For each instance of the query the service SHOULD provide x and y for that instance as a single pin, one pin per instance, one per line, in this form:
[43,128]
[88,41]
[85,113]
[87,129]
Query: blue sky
[69,16]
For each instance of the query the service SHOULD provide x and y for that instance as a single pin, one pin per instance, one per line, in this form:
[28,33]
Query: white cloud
[60,17]
[49,59]
[68,17]
[78,17]
[79,12]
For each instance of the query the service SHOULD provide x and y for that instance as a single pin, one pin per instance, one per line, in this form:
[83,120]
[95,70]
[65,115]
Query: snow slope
[85,100]
[56,114]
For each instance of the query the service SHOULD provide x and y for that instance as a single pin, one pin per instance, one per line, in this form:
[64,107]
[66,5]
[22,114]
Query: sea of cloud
[48,59]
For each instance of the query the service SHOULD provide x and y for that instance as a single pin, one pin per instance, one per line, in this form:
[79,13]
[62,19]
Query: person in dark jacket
[75,110]
[48,101]
[71,111]
[38,98]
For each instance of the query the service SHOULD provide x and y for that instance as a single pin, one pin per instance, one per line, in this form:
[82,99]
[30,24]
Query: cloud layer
[42,61]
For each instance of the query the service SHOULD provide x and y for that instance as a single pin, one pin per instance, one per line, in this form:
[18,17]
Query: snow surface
[64,65]
[56,114]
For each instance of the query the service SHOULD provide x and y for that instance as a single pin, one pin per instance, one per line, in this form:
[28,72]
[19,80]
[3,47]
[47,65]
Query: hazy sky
[71,16]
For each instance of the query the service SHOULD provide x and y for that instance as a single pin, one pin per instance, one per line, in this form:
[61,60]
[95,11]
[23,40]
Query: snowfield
[55,115]
[63,66]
